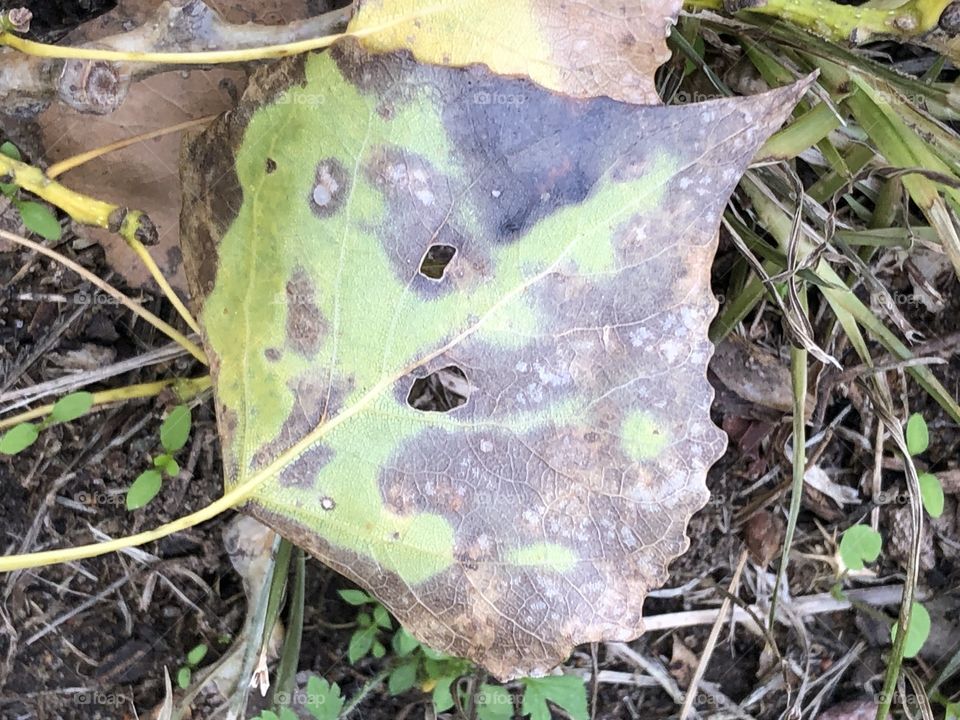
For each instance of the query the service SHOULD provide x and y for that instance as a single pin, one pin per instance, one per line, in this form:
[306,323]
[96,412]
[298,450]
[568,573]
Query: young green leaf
[931,493]
[381,617]
[18,438]
[72,406]
[10,150]
[402,677]
[195,656]
[918,439]
[378,650]
[442,697]
[183,677]
[917,632]
[323,699]
[494,702]
[39,218]
[860,543]
[144,489]
[172,468]
[356,597]
[565,691]
[175,429]
[360,643]
[404,643]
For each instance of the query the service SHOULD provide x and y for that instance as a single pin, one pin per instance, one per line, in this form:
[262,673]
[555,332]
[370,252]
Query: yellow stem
[159,324]
[70,163]
[183,388]
[82,208]
[158,277]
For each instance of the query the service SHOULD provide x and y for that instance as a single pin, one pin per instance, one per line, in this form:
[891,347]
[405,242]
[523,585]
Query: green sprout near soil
[194,658]
[68,408]
[173,436]
[861,544]
[413,664]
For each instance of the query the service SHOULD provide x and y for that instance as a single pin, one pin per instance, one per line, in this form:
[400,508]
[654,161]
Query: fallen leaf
[145,176]
[763,535]
[585,49]
[536,514]
[755,375]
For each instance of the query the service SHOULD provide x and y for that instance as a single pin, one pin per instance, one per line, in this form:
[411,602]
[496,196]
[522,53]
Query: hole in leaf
[440,391]
[436,259]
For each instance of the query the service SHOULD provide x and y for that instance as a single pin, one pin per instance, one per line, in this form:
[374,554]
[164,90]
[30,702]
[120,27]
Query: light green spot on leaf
[548,556]
[642,437]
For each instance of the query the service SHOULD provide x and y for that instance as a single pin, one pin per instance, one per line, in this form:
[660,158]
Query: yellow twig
[158,277]
[70,163]
[159,324]
[183,388]
[133,225]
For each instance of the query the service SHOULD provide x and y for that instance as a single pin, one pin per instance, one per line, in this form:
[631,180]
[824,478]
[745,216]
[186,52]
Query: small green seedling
[173,436]
[37,217]
[68,408]
[194,658]
[565,691]
[860,544]
[918,440]
[365,638]
[322,700]
[917,631]
[436,673]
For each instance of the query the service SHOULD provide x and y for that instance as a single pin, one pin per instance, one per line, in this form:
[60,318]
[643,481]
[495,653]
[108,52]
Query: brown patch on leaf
[305,325]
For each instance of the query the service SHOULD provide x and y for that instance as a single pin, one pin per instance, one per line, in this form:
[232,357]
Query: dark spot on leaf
[440,391]
[329,187]
[271,354]
[305,325]
[271,165]
[435,260]
[303,471]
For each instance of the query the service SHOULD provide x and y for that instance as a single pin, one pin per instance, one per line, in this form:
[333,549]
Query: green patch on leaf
[643,438]
[544,555]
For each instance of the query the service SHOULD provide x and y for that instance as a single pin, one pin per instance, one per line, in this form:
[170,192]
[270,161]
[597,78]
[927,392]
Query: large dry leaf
[585,49]
[538,514]
[145,176]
